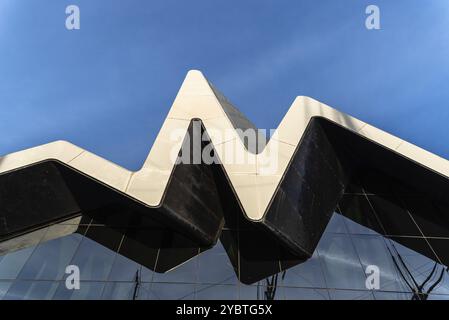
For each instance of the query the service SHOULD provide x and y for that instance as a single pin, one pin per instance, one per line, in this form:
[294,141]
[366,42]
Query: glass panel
[341,265]
[217,292]
[432,221]
[306,274]
[12,263]
[87,290]
[27,240]
[419,271]
[306,294]
[214,267]
[350,295]
[124,269]
[394,218]
[163,291]
[247,292]
[4,286]
[375,182]
[440,247]
[31,290]
[144,292]
[359,216]
[373,250]
[384,295]
[437,297]
[354,187]
[49,260]
[120,291]
[336,224]
[261,291]
[185,273]
[351,242]
[146,274]
[94,260]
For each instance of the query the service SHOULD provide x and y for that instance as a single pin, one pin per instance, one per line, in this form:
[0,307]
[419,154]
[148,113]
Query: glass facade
[377,222]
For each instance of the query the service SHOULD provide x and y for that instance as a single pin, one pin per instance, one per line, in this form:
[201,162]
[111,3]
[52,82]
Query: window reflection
[373,250]
[185,273]
[366,229]
[87,291]
[121,291]
[307,274]
[336,294]
[124,269]
[214,267]
[49,259]
[217,292]
[172,291]
[341,264]
[306,294]
[31,290]
[94,260]
[12,263]
[4,286]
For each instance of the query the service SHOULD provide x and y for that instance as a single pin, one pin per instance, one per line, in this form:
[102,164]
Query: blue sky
[128,60]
